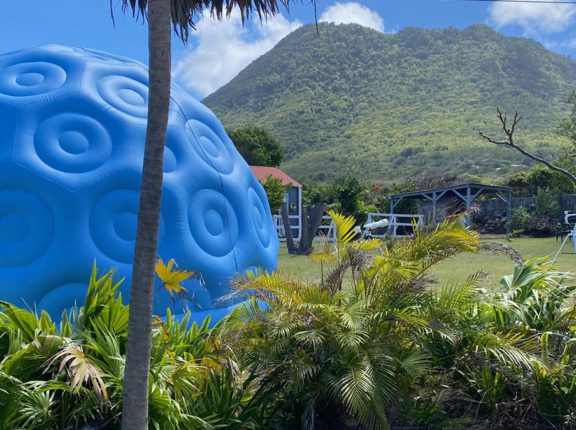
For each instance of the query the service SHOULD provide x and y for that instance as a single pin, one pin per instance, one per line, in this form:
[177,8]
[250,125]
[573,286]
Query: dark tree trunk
[135,407]
[315,219]
[288,230]
[305,239]
[310,221]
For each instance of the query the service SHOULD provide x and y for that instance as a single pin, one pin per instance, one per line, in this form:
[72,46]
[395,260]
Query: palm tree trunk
[135,408]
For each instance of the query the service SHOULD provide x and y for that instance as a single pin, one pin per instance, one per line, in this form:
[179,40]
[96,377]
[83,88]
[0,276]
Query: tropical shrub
[376,345]
[540,220]
[334,354]
[68,375]
[521,219]
[502,357]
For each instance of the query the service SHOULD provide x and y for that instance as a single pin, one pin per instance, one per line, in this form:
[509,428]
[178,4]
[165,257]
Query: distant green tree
[528,183]
[275,191]
[546,205]
[540,219]
[257,146]
[347,193]
[313,193]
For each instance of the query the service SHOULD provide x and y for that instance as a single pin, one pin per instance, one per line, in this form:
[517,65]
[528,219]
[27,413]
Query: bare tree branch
[509,132]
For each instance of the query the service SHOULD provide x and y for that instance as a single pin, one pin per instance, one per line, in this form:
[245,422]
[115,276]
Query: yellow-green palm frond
[171,278]
[455,300]
[322,257]
[344,226]
[368,244]
[410,257]
[509,348]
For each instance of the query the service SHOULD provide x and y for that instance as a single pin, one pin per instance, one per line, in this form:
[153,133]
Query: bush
[529,183]
[541,220]
[347,192]
[275,191]
[521,219]
[391,352]
[69,375]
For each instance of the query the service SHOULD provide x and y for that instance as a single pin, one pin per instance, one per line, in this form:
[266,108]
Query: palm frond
[344,226]
[80,370]
[172,278]
[185,13]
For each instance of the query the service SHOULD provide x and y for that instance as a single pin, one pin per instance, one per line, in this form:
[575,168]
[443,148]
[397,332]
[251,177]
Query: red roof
[262,172]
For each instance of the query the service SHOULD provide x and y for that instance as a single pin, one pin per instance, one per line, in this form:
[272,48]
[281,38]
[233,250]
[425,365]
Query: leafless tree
[509,129]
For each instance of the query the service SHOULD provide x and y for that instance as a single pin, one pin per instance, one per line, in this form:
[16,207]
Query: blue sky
[219,50]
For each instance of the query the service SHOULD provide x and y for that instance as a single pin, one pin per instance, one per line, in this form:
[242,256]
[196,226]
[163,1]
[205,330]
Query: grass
[458,268]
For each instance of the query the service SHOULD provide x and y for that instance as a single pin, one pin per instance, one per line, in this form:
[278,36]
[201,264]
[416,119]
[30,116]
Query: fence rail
[295,225]
[401,225]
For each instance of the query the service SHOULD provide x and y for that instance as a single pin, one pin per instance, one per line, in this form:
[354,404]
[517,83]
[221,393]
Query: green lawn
[457,268]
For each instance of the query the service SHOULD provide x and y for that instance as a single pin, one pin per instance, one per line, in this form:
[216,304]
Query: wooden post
[468,206]
[434,215]
[509,213]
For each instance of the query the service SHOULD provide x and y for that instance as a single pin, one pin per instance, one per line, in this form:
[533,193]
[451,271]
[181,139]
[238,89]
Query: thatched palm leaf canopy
[186,12]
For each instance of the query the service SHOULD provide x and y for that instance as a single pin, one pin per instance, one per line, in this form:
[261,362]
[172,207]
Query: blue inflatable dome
[72,129]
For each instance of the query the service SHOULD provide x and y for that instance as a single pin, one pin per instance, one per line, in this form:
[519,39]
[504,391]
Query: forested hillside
[390,106]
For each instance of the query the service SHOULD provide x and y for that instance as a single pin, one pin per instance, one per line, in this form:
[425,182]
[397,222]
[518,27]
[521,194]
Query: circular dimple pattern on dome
[26,227]
[13,227]
[72,143]
[125,226]
[125,94]
[212,150]
[213,222]
[259,217]
[31,79]
[73,123]
[64,297]
[113,224]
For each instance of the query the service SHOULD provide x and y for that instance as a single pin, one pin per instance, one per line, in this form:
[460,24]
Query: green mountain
[392,106]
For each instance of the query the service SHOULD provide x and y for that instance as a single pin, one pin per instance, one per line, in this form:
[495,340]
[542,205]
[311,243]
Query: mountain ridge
[351,99]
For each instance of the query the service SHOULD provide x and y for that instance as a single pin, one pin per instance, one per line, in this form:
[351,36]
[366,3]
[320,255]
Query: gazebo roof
[466,192]
[474,187]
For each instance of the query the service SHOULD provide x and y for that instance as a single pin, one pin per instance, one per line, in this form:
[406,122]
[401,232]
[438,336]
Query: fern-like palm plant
[334,352]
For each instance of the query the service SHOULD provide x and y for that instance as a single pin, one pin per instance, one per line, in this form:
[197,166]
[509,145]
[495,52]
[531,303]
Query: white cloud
[559,45]
[536,17]
[353,13]
[223,48]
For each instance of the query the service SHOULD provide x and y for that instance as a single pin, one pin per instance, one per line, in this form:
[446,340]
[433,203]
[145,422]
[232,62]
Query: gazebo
[467,193]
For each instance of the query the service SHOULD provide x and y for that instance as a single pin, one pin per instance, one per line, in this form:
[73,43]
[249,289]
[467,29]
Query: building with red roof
[293,197]
[263,172]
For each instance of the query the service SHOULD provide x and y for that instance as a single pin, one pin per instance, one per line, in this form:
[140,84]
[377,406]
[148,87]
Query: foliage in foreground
[69,375]
[375,345]
[394,350]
